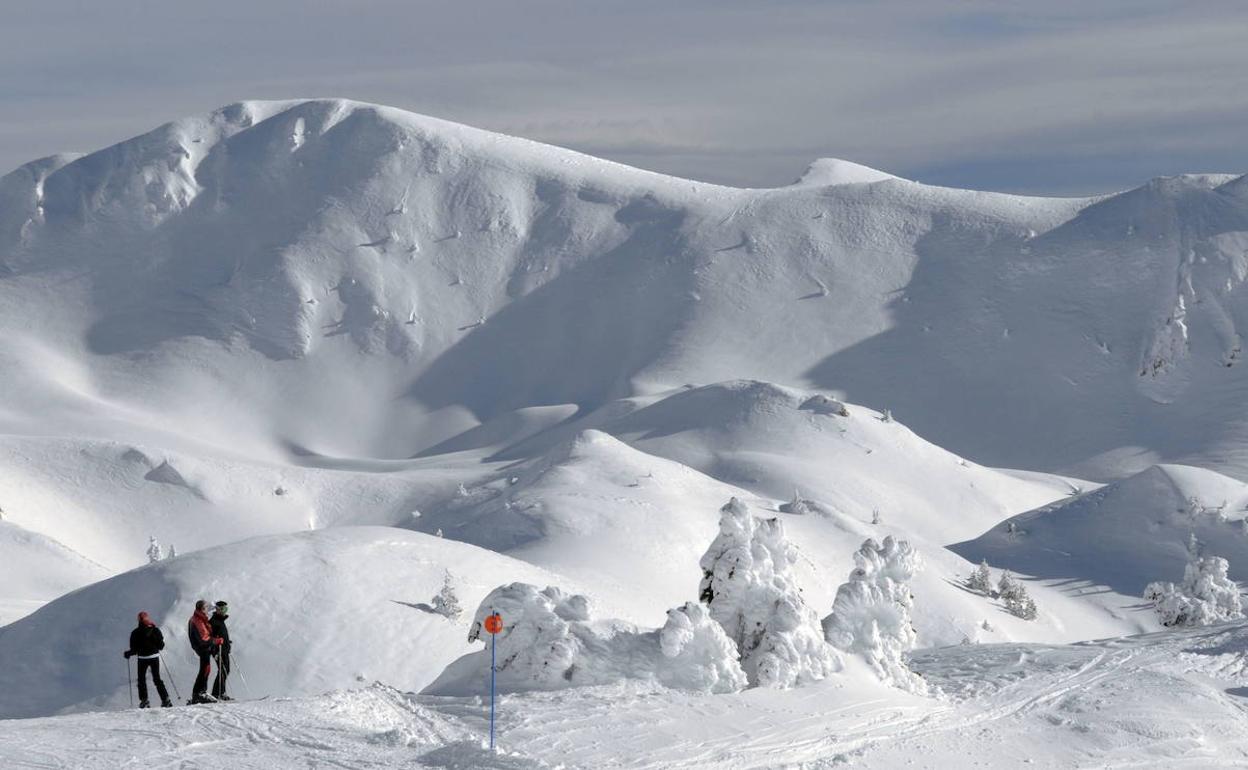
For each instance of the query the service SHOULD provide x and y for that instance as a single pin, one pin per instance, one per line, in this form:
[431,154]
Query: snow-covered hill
[309,612]
[1127,534]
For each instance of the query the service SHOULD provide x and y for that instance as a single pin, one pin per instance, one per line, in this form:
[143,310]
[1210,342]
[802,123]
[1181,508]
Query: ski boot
[144,704]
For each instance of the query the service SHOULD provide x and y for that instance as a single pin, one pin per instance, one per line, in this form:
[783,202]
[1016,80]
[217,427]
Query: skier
[146,642]
[219,631]
[199,630]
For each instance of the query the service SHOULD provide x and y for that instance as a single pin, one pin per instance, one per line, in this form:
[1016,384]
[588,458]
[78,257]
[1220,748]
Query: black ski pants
[205,668]
[153,665]
[223,673]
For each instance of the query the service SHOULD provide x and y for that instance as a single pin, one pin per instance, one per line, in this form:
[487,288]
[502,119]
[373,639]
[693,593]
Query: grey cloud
[956,92]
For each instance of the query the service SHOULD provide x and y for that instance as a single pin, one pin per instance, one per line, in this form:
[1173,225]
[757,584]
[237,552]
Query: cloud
[958,92]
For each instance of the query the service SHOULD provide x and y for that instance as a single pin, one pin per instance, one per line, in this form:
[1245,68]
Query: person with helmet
[220,614]
[146,642]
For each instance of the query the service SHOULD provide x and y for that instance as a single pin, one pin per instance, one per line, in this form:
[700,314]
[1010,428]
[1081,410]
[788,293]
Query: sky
[1056,97]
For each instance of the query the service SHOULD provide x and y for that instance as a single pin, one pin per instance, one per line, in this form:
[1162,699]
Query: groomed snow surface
[724,459]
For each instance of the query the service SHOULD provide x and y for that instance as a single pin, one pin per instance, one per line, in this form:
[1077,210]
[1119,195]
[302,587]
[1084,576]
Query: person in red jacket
[199,631]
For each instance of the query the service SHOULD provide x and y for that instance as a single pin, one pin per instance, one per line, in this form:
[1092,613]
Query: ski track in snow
[1096,704]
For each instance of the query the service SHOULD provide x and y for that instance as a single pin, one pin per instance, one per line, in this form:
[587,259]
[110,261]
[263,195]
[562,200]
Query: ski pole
[172,679]
[235,667]
[129,684]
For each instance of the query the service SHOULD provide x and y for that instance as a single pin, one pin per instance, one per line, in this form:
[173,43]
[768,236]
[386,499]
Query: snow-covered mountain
[227,275]
[333,352]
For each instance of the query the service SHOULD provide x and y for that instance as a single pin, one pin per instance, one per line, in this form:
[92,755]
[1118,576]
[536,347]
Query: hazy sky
[1055,96]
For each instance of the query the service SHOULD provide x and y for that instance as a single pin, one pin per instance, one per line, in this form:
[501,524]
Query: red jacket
[199,631]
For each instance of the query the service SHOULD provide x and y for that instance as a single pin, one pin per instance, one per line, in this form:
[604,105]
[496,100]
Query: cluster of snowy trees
[1206,595]
[1011,592]
[155,553]
[748,585]
[751,626]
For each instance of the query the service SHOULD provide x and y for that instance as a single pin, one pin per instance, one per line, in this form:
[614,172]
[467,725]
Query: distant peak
[833,171]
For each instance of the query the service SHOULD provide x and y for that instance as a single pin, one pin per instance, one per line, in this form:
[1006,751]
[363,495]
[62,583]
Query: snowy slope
[38,569]
[1165,700]
[637,516]
[364,264]
[1126,534]
[309,612]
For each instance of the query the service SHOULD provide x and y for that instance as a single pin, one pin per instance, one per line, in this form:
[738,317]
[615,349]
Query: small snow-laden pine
[446,603]
[749,589]
[1015,597]
[1206,595]
[154,553]
[871,613]
[980,580]
[549,641]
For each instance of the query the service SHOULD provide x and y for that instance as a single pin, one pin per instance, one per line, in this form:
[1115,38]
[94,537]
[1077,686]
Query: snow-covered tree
[1014,595]
[536,648]
[173,552]
[1205,596]
[446,603]
[697,654]
[980,580]
[749,589]
[871,613]
[154,553]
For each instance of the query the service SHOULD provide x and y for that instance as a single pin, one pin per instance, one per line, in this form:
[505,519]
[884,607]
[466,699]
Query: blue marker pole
[493,644]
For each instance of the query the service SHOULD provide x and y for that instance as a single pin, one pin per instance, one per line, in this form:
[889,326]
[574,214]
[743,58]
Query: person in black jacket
[219,632]
[146,642]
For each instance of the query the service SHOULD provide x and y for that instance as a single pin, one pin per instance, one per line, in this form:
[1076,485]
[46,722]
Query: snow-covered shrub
[871,613]
[446,603]
[1014,595]
[980,580]
[748,586]
[153,550]
[549,642]
[1205,596]
[697,654]
[798,505]
[536,648]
